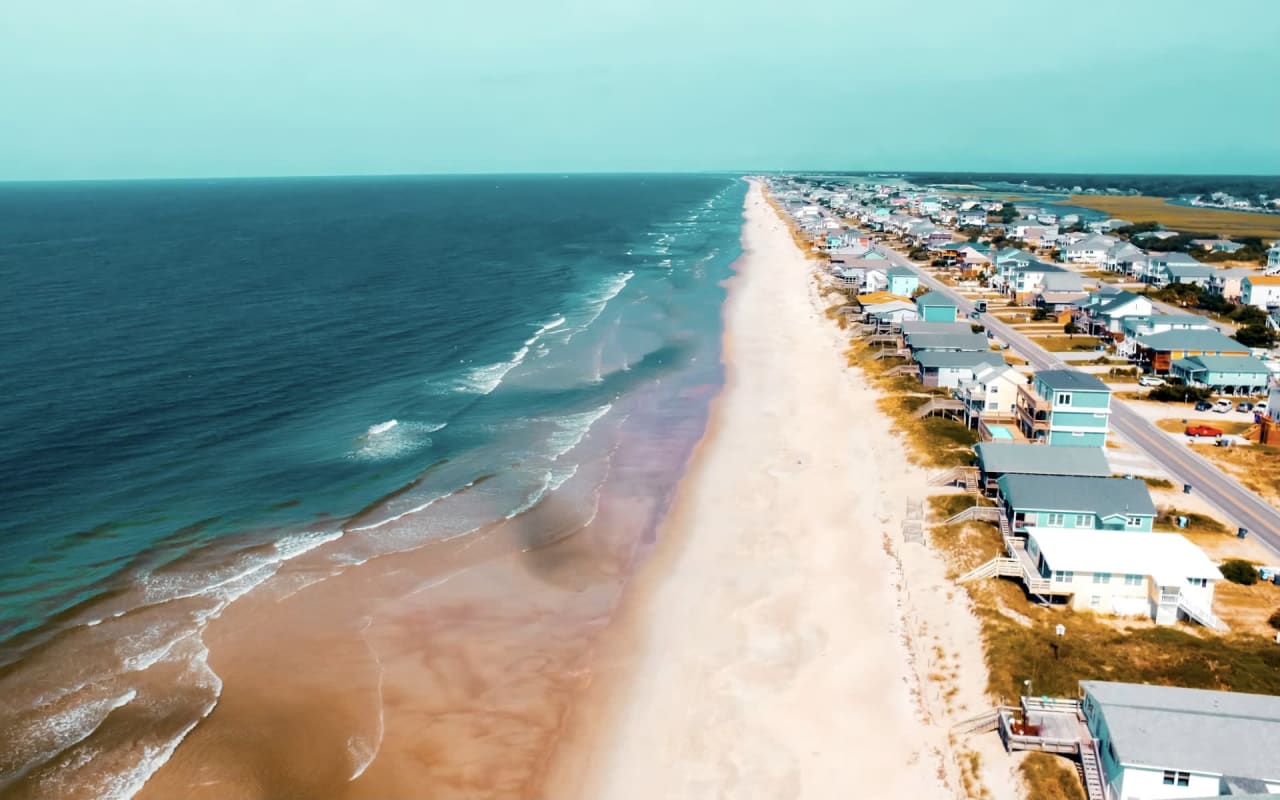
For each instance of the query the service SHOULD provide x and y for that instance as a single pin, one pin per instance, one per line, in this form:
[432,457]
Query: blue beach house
[1076,502]
[935,307]
[902,282]
[1065,408]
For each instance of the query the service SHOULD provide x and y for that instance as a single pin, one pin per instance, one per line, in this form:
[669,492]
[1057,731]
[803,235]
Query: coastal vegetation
[1183,218]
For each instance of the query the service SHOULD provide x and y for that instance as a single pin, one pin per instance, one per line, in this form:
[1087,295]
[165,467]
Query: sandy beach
[782,635]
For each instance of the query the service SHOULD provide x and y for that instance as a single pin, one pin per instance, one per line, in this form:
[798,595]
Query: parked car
[1222,406]
[1150,380]
[1203,430]
[1244,405]
[1261,408]
[1203,405]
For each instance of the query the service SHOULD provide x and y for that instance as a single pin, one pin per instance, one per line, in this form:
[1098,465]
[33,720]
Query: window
[1064,576]
[1095,601]
[1197,582]
[1056,520]
[1132,580]
[1084,520]
[1134,522]
[1173,778]
[1063,399]
[1102,577]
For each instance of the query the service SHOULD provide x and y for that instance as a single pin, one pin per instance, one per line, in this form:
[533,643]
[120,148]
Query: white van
[1223,406]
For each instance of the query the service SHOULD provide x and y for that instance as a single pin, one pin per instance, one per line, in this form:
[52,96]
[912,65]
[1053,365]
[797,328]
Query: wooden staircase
[964,477]
[902,369]
[1091,769]
[939,405]
[979,513]
[985,722]
[883,354]
[1199,614]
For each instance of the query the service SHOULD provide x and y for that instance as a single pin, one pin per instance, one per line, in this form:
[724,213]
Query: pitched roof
[1191,339]
[1189,270]
[1062,282]
[1002,458]
[1072,494]
[1247,364]
[1071,380]
[920,326]
[1168,557]
[947,341]
[934,299]
[1264,280]
[957,359]
[1226,733]
[899,272]
[1117,301]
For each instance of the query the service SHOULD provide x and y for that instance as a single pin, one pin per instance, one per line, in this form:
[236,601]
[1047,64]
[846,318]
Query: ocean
[206,380]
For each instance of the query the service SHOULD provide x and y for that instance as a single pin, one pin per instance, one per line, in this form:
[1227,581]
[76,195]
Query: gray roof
[1192,339]
[1003,458]
[1106,497]
[1177,271]
[1176,259]
[1062,282]
[1069,380]
[920,326]
[947,341]
[1232,734]
[900,271]
[934,299]
[957,359]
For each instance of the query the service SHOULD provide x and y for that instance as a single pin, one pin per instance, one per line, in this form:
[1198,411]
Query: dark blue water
[190,362]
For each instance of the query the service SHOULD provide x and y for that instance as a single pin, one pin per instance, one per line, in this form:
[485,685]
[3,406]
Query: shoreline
[768,623]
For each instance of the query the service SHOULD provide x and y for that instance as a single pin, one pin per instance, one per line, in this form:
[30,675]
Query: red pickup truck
[1203,430]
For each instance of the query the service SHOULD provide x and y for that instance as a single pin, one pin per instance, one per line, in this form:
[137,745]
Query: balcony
[1033,412]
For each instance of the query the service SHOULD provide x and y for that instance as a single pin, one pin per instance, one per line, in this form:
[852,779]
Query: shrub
[1274,619]
[1039,314]
[1239,571]
[1170,393]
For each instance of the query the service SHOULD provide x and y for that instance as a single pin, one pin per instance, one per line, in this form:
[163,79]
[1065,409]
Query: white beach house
[1129,574]
[1159,742]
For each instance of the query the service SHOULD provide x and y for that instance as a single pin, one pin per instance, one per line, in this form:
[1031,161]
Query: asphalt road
[1236,503]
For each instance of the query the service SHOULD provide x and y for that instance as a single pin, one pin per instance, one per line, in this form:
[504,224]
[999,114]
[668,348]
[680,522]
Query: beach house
[947,369]
[1026,282]
[1166,268]
[972,218]
[997,459]
[1075,502]
[1156,352]
[990,394]
[902,281]
[1065,408]
[936,307]
[1238,375]
[1226,283]
[1273,257]
[1262,291]
[1164,742]
[1103,314]
[1129,574]
[918,341]
[1089,250]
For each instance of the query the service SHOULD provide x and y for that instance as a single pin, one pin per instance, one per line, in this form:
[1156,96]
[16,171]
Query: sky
[206,88]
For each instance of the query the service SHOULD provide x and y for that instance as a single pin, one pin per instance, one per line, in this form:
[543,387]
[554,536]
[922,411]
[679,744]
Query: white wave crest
[571,429]
[393,439]
[552,480]
[483,380]
[601,297]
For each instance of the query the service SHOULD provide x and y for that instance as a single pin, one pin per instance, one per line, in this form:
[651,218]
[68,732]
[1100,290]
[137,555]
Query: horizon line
[605,173]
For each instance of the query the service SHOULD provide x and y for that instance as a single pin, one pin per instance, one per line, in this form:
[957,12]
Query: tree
[1008,213]
[1239,571]
[1256,336]
[1070,329]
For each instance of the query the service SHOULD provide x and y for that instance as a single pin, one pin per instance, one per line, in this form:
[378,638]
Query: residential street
[1239,506]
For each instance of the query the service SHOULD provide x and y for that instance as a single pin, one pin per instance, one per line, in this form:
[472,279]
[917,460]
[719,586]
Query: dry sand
[781,641]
